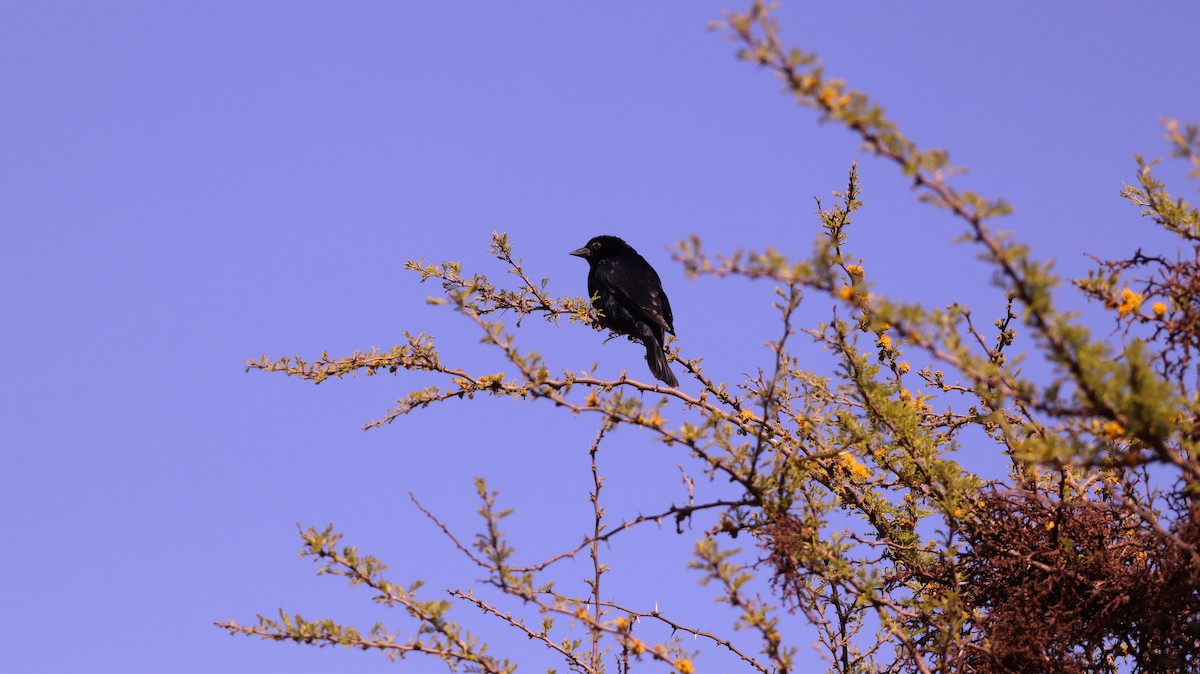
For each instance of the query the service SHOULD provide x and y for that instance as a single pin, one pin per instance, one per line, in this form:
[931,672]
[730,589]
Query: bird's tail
[656,358]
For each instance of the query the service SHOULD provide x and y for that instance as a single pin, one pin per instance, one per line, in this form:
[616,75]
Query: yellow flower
[637,646]
[1049,525]
[1130,302]
[581,613]
[622,624]
[854,270]
[853,466]
[653,421]
[1159,308]
[844,292]
[827,96]
[902,367]
[884,342]
[1113,430]
[684,666]
[747,414]
[592,399]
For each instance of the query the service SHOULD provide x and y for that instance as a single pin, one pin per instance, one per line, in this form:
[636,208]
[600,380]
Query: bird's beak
[580,252]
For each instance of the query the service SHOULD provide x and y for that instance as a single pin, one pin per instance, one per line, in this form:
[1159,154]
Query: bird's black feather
[627,292]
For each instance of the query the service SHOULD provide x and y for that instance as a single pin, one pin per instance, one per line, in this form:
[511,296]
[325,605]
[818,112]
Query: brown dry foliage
[1061,586]
[1051,586]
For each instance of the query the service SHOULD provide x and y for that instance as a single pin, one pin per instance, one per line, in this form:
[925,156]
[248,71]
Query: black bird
[630,298]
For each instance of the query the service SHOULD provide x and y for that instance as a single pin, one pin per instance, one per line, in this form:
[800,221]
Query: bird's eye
[595,245]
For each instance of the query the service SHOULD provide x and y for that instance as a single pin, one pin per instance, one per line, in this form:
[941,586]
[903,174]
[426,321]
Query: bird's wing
[636,286]
[668,317]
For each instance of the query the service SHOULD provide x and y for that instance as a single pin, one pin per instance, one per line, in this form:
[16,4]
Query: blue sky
[185,185]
